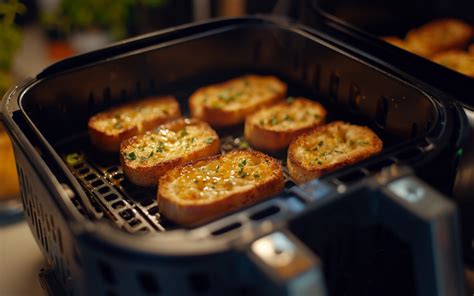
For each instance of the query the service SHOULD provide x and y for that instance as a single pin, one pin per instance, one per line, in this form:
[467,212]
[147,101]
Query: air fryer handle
[291,268]
[428,222]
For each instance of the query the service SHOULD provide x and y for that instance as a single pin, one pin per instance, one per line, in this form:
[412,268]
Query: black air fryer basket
[356,231]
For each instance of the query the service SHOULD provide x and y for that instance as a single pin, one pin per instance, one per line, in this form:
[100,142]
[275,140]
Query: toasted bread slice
[228,103]
[456,60]
[109,128]
[146,157]
[439,35]
[204,189]
[273,128]
[329,147]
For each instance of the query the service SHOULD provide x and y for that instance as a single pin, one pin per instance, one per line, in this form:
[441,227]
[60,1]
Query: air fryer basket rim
[32,83]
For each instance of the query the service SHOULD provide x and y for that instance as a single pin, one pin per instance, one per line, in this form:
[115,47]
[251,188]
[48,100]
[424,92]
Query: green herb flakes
[183,133]
[243,144]
[132,156]
[73,159]
[160,148]
[242,164]
[290,100]
[209,140]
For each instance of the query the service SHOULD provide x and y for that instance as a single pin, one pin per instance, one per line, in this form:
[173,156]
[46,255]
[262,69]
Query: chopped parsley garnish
[338,151]
[218,168]
[363,143]
[161,147]
[183,133]
[290,100]
[288,118]
[261,122]
[73,158]
[132,156]
[209,140]
[151,154]
[256,175]
[319,162]
[321,143]
[243,144]
[274,121]
[242,164]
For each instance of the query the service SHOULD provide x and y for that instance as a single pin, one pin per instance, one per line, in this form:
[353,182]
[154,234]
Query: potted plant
[10,40]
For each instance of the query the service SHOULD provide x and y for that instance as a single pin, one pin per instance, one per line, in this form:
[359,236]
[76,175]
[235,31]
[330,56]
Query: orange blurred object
[9,186]
[59,50]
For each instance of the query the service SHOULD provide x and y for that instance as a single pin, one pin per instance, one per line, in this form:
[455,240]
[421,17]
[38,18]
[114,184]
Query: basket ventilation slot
[226,228]
[265,213]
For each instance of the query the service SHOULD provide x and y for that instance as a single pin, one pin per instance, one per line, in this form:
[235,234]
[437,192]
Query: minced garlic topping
[244,91]
[220,177]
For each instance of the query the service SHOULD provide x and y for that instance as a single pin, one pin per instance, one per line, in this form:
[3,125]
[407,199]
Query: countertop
[21,260]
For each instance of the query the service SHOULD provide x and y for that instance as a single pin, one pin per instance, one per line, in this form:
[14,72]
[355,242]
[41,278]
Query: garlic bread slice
[439,35]
[456,60]
[273,128]
[329,147]
[207,188]
[228,103]
[109,128]
[146,157]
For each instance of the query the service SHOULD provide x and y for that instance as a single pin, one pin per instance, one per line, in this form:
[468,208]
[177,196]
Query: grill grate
[131,208]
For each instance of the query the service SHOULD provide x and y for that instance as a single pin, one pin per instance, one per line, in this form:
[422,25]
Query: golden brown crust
[273,128]
[188,195]
[456,60]
[228,103]
[439,35]
[471,49]
[109,128]
[160,150]
[329,147]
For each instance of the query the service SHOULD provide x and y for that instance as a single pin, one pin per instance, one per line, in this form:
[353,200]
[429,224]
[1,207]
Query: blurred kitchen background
[35,33]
